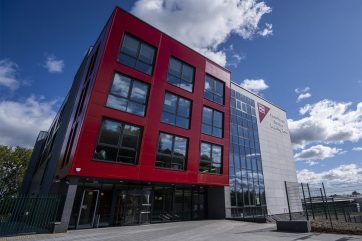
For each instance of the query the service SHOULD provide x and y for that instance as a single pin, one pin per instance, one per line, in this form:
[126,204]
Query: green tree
[13,164]
[355,193]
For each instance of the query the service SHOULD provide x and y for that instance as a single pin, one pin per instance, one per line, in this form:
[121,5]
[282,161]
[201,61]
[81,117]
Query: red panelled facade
[81,161]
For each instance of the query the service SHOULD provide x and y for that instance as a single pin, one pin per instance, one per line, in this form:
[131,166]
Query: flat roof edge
[206,58]
[269,102]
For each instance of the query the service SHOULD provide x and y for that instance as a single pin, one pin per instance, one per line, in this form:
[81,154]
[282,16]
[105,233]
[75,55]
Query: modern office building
[152,131]
[261,157]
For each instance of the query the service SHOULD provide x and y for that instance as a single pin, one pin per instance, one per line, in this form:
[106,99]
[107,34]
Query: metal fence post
[344,214]
[334,207]
[310,200]
[329,214]
[324,207]
[286,190]
[305,203]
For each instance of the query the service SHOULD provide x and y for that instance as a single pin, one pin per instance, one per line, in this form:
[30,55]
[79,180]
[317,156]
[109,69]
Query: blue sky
[282,46]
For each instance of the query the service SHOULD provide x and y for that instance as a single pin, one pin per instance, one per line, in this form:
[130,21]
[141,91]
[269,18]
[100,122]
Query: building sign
[276,123]
[263,110]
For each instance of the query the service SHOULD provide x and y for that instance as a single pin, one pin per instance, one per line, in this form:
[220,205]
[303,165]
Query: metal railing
[28,214]
[326,212]
[248,213]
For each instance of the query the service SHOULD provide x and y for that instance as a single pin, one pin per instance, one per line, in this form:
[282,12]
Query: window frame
[180,77]
[215,80]
[172,151]
[177,108]
[129,94]
[211,160]
[212,122]
[141,41]
[120,139]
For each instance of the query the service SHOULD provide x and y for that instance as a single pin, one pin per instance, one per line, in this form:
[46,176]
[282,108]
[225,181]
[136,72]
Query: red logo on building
[263,110]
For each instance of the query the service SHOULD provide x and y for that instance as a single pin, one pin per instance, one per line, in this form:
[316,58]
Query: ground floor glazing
[101,204]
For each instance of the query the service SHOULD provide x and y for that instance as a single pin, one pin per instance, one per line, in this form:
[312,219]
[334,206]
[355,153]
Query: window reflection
[171,152]
[180,74]
[245,156]
[118,142]
[176,111]
[212,122]
[210,158]
[128,95]
[214,90]
[137,54]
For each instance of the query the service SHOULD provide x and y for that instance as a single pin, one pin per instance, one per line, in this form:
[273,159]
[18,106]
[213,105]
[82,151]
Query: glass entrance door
[87,209]
[162,204]
[133,207]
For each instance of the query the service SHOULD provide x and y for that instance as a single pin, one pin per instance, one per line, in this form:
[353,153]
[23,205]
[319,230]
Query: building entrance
[133,207]
[107,204]
[88,207]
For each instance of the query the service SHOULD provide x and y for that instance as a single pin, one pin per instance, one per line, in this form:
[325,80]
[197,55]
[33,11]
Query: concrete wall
[277,158]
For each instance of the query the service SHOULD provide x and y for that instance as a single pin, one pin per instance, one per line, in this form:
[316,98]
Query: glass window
[210,158]
[171,152]
[118,142]
[137,54]
[214,90]
[176,111]
[212,122]
[245,152]
[128,95]
[181,74]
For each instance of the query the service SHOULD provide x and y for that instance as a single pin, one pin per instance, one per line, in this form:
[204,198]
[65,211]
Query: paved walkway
[210,230]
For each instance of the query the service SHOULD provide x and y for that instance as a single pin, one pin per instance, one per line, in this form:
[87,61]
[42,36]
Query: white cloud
[268,30]
[318,152]
[299,91]
[357,149]
[8,74]
[54,65]
[303,96]
[311,163]
[234,60]
[21,121]
[254,85]
[302,93]
[342,174]
[203,24]
[327,121]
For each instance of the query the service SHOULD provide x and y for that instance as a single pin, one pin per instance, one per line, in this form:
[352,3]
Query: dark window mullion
[127,148]
[128,99]
[133,57]
[138,52]
[177,103]
[178,77]
[212,123]
[129,93]
[211,162]
[140,60]
[138,145]
[107,145]
[165,111]
[120,138]
[182,69]
[172,149]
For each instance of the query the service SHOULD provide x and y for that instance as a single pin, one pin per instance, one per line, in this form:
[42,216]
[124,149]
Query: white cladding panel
[276,153]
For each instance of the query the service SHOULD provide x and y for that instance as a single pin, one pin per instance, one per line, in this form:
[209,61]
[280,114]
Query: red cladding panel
[145,170]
